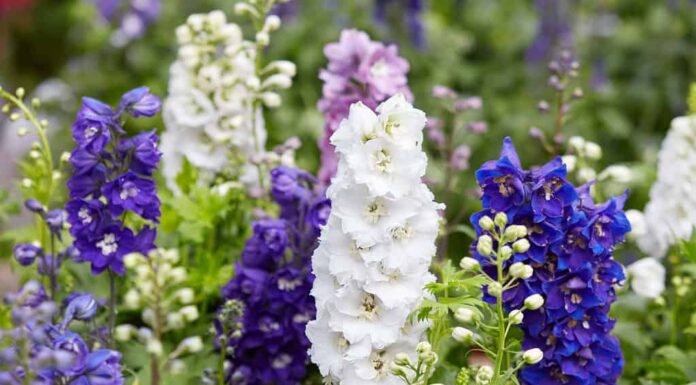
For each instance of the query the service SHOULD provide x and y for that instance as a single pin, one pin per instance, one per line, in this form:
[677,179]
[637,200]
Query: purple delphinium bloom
[571,244]
[359,69]
[411,11]
[273,279]
[132,16]
[112,176]
[554,30]
[139,102]
[57,354]
[26,253]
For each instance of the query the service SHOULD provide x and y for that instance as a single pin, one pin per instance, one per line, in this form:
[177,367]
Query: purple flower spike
[571,244]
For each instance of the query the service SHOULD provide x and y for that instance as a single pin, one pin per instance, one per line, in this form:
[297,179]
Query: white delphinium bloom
[671,213]
[647,277]
[372,261]
[213,112]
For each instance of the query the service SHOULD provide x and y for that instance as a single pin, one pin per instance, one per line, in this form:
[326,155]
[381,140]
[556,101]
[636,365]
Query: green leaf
[187,177]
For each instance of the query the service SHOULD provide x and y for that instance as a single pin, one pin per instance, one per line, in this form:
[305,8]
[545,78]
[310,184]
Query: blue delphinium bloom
[112,176]
[273,279]
[571,244]
[56,355]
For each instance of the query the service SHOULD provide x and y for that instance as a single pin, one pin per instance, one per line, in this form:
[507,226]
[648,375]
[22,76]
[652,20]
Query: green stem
[112,307]
[223,353]
[499,356]
[675,317]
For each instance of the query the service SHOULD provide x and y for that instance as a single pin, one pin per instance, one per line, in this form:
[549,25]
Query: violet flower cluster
[273,280]
[411,11]
[133,16]
[572,240]
[44,353]
[359,70]
[112,178]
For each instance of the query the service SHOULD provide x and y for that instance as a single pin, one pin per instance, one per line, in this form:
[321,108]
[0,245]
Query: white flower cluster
[671,213]
[374,253]
[213,112]
[166,305]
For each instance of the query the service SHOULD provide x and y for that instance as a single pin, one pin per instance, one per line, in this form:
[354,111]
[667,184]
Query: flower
[358,70]
[109,181]
[139,102]
[670,215]
[647,277]
[272,280]
[26,253]
[372,261]
[566,262]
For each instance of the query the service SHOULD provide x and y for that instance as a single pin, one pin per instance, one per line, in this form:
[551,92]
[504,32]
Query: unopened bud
[486,223]
[461,334]
[593,151]
[495,289]
[505,252]
[469,264]
[484,246]
[533,356]
[501,219]
[464,314]
[534,301]
[521,271]
[516,317]
[402,359]
[521,246]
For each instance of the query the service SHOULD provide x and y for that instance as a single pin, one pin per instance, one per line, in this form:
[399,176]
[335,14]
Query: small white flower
[647,277]
[191,345]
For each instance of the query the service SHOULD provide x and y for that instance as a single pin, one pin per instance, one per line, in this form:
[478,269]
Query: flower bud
[501,220]
[586,174]
[570,162]
[124,332]
[516,317]
[154,347]
[486,223]
[464,314]
[132,299]
[469,264]
[505,252]
[178,274]
[34,206]
[521,246]
[593,151]
[396,369]
[461,334]
[495,289]
[280,81]
[484,246]
[577,143]
[521,271]
[484,375]
[26,253]
[263,39]
[272,23]
[190,313]
[191,345]
[423,347]
[402,359]
[533,356]
[185,295]
[271,99]
[534,301]
[82,308]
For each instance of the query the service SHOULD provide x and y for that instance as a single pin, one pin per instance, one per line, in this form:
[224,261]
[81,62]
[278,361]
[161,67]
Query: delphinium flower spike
[44,353]
[571,241]
[359,70]
[373,258]
[218,87]
[272,280]
[112,178]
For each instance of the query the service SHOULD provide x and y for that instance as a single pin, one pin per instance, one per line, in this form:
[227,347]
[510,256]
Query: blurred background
[634,55]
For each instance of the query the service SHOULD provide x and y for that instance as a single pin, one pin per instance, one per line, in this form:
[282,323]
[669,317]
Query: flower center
[129,191]
[90,132]
[575,298]
[288,284]
[383,161]
[369,307]
[281,361]
[503,187]
[375,211]
[379,69]
[402,232]
[108,244]
[84,216]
